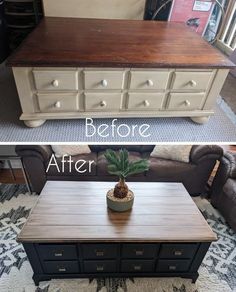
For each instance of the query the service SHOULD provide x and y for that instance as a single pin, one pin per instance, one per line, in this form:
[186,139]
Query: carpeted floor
[220,128]
[217,272]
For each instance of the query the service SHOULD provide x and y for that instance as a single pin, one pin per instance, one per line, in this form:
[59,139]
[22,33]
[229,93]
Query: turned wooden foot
[200,120]
[34,123]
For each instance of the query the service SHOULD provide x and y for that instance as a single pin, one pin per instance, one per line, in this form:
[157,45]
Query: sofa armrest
[35,159]
[43,152]
[226,169]
[201,152]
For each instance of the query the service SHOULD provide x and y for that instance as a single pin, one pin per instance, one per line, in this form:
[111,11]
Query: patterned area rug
[217,273]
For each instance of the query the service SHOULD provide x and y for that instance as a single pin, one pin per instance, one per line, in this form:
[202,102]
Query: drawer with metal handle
[57,251]
[173,266]
[61,267]
[99,251]
[151,80]
[178,250]
[56,80]
[67,102]
[186,101]
[100,266]
[137,266]
[103,79]
[191,80]
[103,101]
[131,250]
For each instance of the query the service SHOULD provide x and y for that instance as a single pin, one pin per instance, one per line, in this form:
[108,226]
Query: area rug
[217,272]
[220,128]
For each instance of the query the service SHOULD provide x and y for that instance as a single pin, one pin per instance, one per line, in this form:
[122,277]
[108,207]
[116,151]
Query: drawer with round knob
[191,80]
[61,267]
[173,266]
[106,266]
[104,79]
[67,102]
[151,80]
[57,251]
[137,266]
[178,250]
[145,101]
[56,80]
[103,101]
[186,101]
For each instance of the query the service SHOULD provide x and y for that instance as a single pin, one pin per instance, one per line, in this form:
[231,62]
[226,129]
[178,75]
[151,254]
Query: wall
[120,9]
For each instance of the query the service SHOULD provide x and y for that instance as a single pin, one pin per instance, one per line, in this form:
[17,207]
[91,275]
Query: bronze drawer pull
[100,268]
[62,269]
[139,252]
[137,268]
[172,268]
[58,254]
[178,253]
[99,253]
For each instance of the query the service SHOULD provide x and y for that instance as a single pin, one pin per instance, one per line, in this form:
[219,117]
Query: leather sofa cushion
[102,163]
[163,168]
[134,148]
[87,157]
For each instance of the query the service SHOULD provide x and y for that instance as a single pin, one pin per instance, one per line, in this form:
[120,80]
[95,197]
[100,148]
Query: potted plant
[121,198]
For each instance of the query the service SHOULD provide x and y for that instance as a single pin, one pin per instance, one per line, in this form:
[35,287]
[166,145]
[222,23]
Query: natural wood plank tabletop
[77,211]
[116,43]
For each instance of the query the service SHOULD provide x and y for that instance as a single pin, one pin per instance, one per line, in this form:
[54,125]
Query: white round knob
[55,83]
[193,83]
[58,104]
[150,82]
[103,103]
[104,83]
[146,103]
[187,102]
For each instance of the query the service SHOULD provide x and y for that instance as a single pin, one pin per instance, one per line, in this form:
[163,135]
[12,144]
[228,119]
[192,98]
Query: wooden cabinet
[116,68]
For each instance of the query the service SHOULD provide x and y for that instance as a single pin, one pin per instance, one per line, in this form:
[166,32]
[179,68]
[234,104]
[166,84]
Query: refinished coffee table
[71,233]
[72,68]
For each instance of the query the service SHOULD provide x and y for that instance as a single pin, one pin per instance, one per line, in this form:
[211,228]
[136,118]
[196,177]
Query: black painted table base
[61,260]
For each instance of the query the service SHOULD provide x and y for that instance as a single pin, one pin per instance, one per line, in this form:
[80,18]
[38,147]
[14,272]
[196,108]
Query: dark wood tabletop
[83,42]
[76,211]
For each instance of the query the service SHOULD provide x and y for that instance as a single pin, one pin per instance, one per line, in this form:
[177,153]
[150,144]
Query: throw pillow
[72,150]
[172,152]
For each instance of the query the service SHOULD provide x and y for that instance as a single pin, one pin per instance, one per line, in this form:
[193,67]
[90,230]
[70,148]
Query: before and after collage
[117,146]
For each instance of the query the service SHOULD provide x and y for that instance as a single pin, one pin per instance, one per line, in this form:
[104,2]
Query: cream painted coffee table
[76,68]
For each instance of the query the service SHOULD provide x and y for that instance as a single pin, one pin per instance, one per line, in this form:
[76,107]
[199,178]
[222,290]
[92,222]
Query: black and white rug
[217,273]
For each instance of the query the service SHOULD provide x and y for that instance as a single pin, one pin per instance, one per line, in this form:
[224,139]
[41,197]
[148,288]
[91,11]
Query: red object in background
[182,11]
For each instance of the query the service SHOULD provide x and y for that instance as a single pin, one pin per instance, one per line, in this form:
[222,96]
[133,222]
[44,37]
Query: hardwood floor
[6,176]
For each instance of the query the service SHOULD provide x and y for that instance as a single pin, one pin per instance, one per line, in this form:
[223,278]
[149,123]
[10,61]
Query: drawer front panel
[103,101]
[104,79]
[57,252]
[149,80]
[100,266]
[137,266]
[191,80]
[145,101]
[139,250]
[61,267]
[173,265]
[56,80]
[58,102]
[99,251]
[173,251]
[185,101]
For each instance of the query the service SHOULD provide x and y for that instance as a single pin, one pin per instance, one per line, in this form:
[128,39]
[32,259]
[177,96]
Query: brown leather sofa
[223,190]
[194,175]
